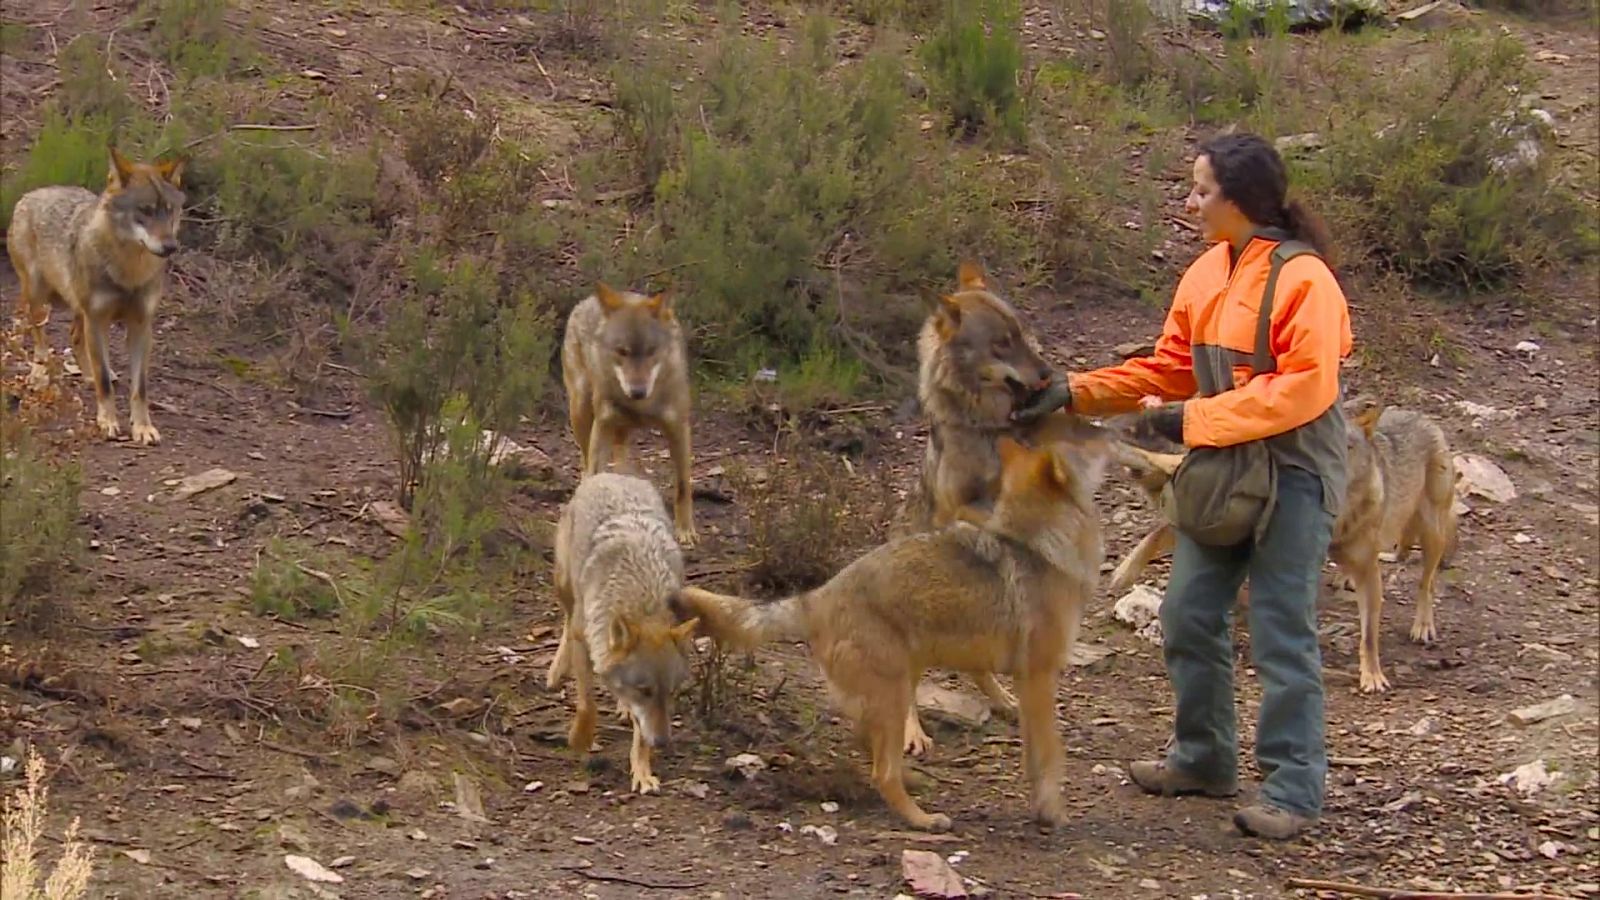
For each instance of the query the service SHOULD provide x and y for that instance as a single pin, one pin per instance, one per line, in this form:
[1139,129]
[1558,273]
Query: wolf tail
[739,623]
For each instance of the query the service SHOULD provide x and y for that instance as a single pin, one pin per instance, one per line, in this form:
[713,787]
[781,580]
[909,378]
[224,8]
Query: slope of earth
[190,784]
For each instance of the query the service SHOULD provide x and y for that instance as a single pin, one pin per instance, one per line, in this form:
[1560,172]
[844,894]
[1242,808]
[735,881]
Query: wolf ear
[685,630]
[947,318]
[172,170]
[121,170]
[660,306]
[970,276]
[610,300]
[620,637]
[1078,466]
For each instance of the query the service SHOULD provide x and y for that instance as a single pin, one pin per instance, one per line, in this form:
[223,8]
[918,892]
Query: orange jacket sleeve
[1310,337]
[1167,373]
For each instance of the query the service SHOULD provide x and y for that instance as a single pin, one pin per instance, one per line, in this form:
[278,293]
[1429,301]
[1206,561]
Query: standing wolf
[103,257]
[995,591]
[616,563]
[624,365]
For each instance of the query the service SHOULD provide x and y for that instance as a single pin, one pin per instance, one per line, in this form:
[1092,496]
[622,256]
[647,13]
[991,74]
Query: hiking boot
[1156,778]
[1271,822]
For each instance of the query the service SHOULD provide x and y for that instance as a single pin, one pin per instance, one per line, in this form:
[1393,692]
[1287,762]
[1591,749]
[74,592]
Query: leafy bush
[1427,177]
[41,542]
[974,66]
[793,207]
[194,37]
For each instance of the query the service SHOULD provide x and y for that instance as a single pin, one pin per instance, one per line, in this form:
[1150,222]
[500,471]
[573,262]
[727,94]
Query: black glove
[1053,396]
[1165,420]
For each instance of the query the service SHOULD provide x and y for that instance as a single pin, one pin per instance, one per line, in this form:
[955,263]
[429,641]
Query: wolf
[624,365]
[997,590]
[976,362]
[1401,495]
[104,258]
[616,564]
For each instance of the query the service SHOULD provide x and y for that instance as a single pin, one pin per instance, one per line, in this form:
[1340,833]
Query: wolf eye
[622,352]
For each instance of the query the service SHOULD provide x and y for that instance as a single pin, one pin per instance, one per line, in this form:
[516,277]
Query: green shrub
[194,37]
[974,59]
[1411,174]
[41,542]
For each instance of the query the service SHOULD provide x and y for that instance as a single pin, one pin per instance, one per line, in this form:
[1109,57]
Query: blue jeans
[1196,617]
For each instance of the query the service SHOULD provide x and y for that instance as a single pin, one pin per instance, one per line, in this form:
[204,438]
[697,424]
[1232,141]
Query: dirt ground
[177,758]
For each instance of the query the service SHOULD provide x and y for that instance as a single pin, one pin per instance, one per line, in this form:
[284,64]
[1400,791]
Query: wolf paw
[109,426]
[918,742]
[646,783]
[146,435]
[686,536]
[1373,681]
[936,823]
[1424,632]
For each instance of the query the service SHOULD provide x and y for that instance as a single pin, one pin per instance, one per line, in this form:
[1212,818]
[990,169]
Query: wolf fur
[103,257]
[624,365]
[999,590]
[616,563]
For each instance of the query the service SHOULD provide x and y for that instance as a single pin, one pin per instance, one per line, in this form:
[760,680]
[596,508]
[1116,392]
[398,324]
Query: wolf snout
[637,391]
[166,249]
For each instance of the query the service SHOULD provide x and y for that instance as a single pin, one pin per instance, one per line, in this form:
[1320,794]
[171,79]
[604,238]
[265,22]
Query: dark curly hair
[1252,175]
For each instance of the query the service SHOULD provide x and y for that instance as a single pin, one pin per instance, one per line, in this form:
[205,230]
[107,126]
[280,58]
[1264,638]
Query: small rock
[190,723]
[417,874]
[1135,348]
[697,789]
[532,787]
[208,480]
[1485,479]
[736,820]
[930,876]
[418,835]
[827,834]
[1141,608]
[580,839]
[746,764]
[342,862]
[248,642]
[293,838]
[1550,849]
[1084,655]
[111,491]
[966,710]
[384,764]
[1529,778]
[311,870]
[142,857]
[390,517]
[1526,347]
[1561,706]
[830,807]
[1289,143]
[1150,884]
[469,800]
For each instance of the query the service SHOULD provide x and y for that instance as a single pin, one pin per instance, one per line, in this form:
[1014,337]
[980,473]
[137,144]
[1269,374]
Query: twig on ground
[636,882]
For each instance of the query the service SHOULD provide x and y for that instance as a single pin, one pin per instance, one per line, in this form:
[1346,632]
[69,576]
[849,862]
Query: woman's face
[1220,219]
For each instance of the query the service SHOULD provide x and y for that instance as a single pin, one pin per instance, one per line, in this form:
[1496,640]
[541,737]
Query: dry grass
[23,829]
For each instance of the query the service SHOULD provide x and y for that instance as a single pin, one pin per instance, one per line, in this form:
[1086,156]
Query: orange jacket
[1212,322]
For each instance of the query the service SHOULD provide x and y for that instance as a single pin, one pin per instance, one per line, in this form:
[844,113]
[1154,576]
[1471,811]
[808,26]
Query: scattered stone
[532,787]
[1561,706]
[390,517]
[1150,884]
[746,764]
[1529,778]
[248,642]
[469,800]
[929,875]
[418,874]
[827,834]
[1141,609]
[210,479]
[966,710]
[1135,348]
[830,807]
[1084,655]
[384,764]
[1528,347]
[293,838]
[699,790]
[142,857]
[1289,143]
[311,870]
[190,723]
[1479,476]
[342,862]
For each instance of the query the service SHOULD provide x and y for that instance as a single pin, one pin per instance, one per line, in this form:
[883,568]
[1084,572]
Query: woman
[1200,367]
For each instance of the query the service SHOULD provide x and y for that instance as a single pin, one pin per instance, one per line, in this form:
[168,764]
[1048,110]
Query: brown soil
[1415,800]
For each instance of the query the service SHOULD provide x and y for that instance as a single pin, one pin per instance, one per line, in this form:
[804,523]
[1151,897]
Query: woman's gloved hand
[1165,420]
[1053,396]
